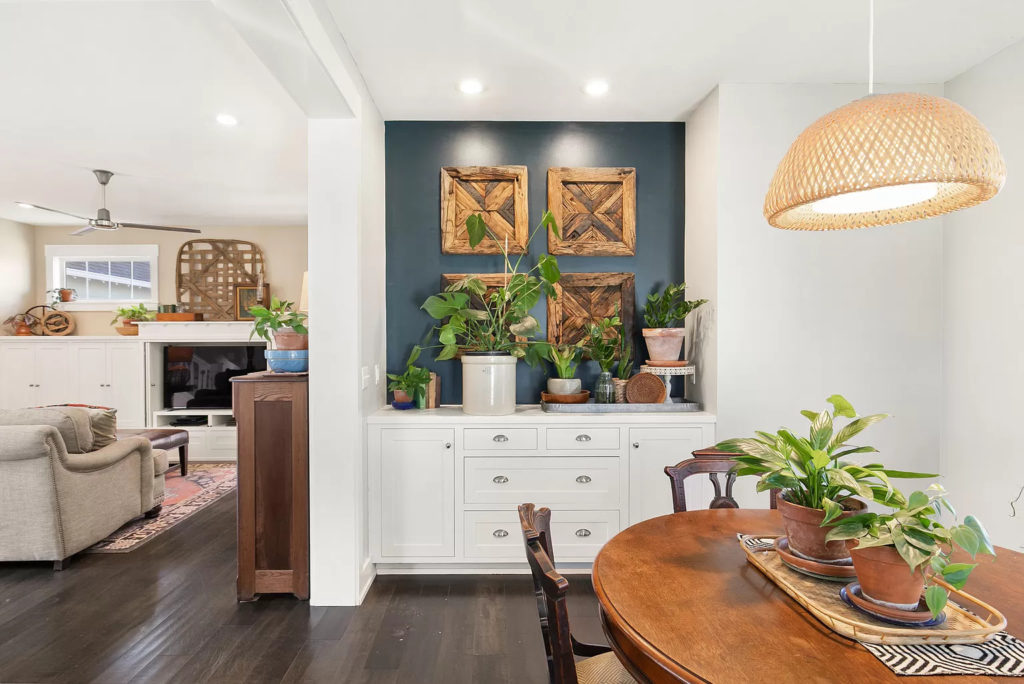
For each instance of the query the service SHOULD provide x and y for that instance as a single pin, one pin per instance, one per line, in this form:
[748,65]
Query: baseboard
[463,569]
[367,574]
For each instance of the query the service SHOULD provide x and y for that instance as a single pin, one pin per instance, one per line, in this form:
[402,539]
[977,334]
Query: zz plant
[669,307]
[602,342]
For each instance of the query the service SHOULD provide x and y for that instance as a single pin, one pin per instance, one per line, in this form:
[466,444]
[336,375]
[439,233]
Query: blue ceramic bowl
[287,360]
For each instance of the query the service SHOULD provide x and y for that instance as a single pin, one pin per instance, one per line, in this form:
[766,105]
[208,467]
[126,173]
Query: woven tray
[968,620]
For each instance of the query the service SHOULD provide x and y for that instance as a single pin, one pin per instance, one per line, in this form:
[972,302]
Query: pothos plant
[414,380]
[137,312]
[279,315]
[602,341]
[813,471]
[475,319]
[925,544]
[669,307]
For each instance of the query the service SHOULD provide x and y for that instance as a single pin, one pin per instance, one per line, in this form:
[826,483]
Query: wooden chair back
[714,462]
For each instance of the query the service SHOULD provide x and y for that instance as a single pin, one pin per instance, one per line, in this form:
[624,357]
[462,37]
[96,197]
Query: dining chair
[600,665]
[713,462]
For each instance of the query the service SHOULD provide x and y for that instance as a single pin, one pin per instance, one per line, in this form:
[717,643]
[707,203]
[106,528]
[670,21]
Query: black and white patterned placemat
[1002,655]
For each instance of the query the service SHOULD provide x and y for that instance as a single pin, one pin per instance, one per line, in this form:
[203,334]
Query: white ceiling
[661,57]
[134,87]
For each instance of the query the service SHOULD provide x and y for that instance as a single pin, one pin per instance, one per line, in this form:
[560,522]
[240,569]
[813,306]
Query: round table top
[681,603]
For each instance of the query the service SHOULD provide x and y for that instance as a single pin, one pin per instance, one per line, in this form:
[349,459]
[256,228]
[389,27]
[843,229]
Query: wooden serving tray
[968,620]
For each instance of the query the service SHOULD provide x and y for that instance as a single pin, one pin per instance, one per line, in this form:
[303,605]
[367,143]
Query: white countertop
[531,413]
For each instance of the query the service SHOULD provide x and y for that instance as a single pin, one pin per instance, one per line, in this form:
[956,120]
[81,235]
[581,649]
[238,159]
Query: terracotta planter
[127,328]
[885,577]
[664,344]
[807,536]
[402,397]
[288,339]
[65,294]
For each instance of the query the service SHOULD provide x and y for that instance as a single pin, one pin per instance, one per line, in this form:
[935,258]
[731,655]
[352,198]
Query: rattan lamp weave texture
[882,141]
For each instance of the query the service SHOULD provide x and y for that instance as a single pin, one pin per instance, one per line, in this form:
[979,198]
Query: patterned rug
[183,496]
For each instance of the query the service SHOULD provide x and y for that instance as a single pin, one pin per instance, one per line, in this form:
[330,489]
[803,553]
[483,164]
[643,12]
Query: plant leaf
[548,219]
[832,510]
[936,597]
[548,267]
[976,526]
[476,228]
[841,406]
[967,539]
[957,573]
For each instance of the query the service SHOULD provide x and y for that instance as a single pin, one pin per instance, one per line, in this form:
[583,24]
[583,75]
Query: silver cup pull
[583,479]
[499,479]
[500,438]
[583,438]
[583,532]
[500,533]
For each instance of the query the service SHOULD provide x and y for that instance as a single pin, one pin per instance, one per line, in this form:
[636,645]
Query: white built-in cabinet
[444,486]
[33,374]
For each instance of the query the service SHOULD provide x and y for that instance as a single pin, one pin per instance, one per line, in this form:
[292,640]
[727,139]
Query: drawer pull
[583,479]
[499,479]
[447,445]
[582,438]
[583,532]
[503,533]
[500,438]
[636,445]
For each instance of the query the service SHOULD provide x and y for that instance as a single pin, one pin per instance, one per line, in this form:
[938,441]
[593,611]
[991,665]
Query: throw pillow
[102,422]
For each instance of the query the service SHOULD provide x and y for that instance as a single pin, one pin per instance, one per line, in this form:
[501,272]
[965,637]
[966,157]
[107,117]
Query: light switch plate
[365,373]
[376,373]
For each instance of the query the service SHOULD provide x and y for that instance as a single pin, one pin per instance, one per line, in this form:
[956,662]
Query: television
[198,377]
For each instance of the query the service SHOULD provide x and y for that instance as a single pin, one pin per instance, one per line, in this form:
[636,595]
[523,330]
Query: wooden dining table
[680,603]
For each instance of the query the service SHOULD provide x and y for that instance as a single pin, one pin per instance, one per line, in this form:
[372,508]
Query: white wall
[17,269]
[982,450]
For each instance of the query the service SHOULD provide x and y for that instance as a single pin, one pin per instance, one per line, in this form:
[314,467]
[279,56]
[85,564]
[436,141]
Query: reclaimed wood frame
[207,271]
[454,236]
[582,281]
[562,200]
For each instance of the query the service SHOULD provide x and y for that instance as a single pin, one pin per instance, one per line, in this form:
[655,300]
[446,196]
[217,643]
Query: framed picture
[585,298]
[248,296]
[595,210]
[498,193]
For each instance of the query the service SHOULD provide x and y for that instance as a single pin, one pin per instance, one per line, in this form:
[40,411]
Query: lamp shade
[304,297]
[884,159]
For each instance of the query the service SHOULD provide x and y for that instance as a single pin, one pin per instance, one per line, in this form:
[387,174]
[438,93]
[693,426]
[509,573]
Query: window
[104,276]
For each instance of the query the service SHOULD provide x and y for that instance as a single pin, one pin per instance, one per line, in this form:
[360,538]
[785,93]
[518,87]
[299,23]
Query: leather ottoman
[166,439]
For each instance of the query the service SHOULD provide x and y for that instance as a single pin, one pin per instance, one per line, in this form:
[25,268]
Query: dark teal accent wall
[415,153]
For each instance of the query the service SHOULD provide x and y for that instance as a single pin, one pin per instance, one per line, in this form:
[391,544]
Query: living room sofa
[59,494]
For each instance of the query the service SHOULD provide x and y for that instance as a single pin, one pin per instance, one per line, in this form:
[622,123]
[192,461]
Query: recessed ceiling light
[25,205]
[471,86]
[227,120]
[596,87]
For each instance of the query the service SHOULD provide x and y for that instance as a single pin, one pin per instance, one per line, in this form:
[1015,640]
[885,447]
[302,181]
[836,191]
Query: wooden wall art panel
[595,210]
[496,192]
[585,298]
[208,271]
[491,280]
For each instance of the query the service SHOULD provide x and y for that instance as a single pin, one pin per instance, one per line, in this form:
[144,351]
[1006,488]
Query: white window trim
[151,252]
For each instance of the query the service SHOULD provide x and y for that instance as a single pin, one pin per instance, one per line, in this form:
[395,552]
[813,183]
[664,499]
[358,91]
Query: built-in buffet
[444,486]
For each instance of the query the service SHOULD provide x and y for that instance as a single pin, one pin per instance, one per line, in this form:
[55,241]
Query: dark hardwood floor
[167,613]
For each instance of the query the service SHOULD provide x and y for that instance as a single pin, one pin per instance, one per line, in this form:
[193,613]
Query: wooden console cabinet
[273,484]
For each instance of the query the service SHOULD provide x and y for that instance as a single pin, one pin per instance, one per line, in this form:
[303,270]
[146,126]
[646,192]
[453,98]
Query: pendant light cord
[871,47]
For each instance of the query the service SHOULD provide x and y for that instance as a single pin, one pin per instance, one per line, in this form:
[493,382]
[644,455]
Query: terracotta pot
[22,329]
[807,536]
[885,577]
[128,328]
[402,397]
[664,344]
[288,339]
[620,390]
[65,295]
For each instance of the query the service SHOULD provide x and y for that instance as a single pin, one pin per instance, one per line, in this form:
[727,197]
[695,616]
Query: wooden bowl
[579,398]
[644,388]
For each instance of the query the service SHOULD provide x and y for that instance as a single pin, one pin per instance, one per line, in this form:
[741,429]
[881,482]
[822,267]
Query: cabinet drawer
[583,438]
[495,439]
[547,481]
[576,535]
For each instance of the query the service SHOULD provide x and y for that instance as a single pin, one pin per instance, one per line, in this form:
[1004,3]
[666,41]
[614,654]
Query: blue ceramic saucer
[854,587]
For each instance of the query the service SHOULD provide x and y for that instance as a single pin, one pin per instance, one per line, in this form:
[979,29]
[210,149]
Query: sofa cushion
[73,423]
[102,420]
[159,462]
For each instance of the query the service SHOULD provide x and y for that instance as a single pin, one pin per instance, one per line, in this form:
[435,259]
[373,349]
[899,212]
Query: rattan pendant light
[884,159]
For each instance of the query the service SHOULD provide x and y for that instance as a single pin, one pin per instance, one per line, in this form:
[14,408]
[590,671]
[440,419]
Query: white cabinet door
[89,370]
[55,384]
[126,383]
[17,375]
[417,493]
[650,450]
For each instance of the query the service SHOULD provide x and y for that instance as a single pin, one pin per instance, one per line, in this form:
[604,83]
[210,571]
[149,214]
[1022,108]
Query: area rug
[183,497]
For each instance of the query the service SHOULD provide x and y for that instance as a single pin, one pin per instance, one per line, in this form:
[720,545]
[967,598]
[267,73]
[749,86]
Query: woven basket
[620,390]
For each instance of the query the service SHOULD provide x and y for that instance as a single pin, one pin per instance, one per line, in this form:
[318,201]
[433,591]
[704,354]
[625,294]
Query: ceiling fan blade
[83,230]
[58,211]
[149,227]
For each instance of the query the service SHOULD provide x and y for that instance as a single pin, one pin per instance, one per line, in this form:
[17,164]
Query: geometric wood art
[585,298]
[491,281]
[595,210]
[496,192]
[208,271]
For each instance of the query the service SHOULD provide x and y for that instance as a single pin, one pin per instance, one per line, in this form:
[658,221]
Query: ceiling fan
[102,220]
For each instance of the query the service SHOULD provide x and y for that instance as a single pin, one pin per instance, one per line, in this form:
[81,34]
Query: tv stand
[213,438]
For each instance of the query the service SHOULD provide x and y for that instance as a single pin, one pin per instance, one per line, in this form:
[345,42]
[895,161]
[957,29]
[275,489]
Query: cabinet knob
[583,532]
[583,479]
[500,438]
[583,438]
[500,533]
[447,445]
[499,479]
[636,445]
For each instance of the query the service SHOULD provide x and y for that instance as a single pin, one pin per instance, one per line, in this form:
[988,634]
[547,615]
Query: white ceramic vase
[488,384]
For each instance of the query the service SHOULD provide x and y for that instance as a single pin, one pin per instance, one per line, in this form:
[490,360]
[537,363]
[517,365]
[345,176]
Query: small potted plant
[818,485]
[624,371]
[410,387]
[129,315]
[884,546]
[566,359]
[601,345]
[662,314]
[286,334]
[490,328]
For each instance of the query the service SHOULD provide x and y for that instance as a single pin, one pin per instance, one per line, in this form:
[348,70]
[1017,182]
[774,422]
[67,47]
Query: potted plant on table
[129,315]
[286,334]
[818,484]
[410,387]
[662,314]
[884,546]
[491,328]
[602,344]
[566,359]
